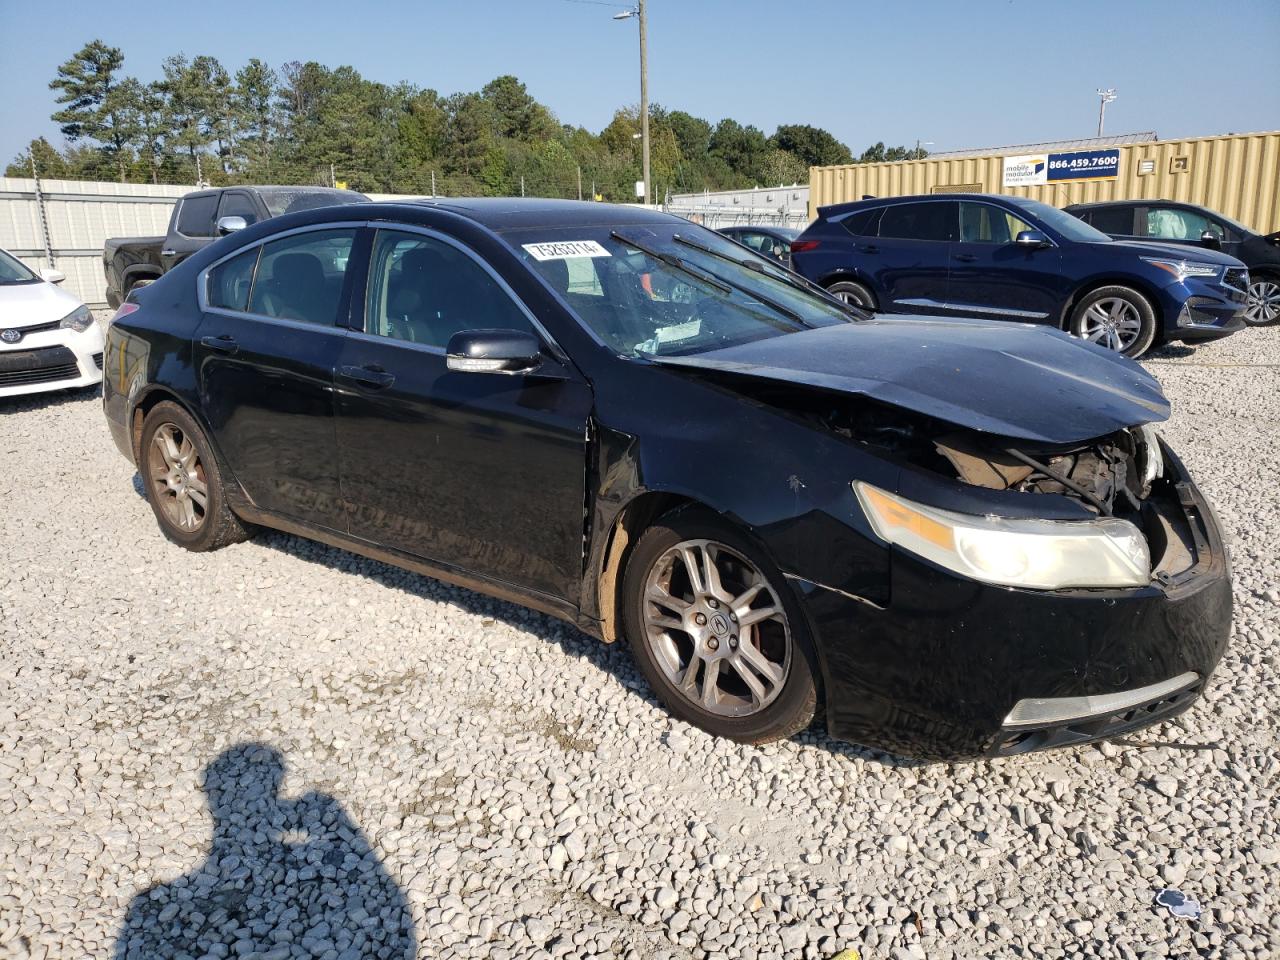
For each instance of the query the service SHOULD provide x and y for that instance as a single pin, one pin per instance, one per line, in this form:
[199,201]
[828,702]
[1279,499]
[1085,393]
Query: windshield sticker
[566,250]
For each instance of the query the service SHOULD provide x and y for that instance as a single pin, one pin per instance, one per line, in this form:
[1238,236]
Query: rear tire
[753,643]
[1116,317]
[183,483]
[852,292]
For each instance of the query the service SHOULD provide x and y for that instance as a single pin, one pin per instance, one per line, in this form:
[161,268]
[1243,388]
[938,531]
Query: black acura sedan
[961,538]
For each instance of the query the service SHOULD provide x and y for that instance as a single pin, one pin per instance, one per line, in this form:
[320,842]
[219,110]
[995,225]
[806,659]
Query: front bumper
[59,359]
[936,672]
[1196,310]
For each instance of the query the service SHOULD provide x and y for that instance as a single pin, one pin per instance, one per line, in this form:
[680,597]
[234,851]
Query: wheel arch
[1097,283]
[637,515]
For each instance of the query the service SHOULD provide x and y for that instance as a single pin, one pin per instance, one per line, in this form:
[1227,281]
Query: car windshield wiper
[784,276]
[673,261]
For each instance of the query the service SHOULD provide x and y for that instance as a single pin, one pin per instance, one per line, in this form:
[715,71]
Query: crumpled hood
[1010,379]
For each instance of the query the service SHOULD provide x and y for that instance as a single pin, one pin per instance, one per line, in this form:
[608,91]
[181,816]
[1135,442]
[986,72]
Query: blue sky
[962,74]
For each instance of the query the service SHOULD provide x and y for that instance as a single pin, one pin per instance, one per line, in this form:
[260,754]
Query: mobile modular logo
[1026,171]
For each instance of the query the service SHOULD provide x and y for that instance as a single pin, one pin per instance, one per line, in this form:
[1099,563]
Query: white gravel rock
[280,750]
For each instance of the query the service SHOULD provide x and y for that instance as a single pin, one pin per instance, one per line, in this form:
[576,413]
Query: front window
[1066,224]
[673,299]
[1171,223]
[13,270]
[984,223]
[423,290]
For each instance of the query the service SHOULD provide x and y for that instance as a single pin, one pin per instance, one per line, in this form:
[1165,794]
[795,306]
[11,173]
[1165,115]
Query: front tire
[1116,317]
[1263,306]
[716,631]
[183,483]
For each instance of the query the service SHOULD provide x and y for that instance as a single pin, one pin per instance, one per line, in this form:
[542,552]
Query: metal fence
[763,206]
[64,223]
[1236,174]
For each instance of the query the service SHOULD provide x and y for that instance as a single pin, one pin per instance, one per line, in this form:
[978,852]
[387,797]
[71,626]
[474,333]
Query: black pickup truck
[197,220]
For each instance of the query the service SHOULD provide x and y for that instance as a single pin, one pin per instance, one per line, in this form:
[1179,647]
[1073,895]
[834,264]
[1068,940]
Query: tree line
[307,123]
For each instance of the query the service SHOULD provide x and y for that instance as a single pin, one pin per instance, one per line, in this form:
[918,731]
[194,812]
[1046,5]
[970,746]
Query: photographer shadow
[283,878]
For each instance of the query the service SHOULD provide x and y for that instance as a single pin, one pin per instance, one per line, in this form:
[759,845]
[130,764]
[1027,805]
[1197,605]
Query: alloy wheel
[716,628]
[852,298]
[178,478]
[1112,322]
[1263,305]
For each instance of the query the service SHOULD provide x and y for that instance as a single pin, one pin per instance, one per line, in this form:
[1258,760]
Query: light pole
[1105,97]
[639,13]
[919,144]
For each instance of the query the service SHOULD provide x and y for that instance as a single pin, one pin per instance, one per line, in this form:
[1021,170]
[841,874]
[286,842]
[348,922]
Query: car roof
[871,202]
[506,213]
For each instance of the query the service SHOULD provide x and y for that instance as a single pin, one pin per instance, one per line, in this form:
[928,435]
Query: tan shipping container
[1237,175]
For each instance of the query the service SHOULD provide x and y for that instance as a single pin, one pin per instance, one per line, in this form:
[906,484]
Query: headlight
[1037,554]
[1183,269]
[77,320]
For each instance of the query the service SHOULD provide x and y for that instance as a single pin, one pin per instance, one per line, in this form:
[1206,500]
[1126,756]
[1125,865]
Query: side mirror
[50,275]
[1032,239]
[1211,240]
[494,351]
[230,225]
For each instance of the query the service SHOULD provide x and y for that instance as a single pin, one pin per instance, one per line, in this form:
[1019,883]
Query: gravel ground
[282,750]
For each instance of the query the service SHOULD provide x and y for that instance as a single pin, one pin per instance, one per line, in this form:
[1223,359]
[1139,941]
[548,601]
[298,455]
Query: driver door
[483,472]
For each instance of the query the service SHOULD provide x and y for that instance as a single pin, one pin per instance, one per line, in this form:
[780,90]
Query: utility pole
[644,97]
[522,184]
[639,12]
[433,183]
[579,181]
[332,180]
[1105,97]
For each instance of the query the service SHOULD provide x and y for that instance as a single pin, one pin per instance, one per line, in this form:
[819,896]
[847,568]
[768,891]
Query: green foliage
[307,123]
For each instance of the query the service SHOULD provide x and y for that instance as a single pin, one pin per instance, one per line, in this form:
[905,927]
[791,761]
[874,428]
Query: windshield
[282,201]
[13,270]
[642,291]
[1067,224]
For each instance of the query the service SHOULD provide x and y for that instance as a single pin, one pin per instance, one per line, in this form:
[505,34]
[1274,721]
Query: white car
[49,340]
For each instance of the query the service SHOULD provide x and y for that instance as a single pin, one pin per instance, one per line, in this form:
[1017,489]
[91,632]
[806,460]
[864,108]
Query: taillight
[801,246]
[126,308]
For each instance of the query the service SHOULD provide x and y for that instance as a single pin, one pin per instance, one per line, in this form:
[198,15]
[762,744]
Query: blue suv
[1010,258]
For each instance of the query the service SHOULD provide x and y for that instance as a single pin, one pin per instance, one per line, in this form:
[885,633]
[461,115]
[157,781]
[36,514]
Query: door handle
[370,376]
[965,257]
[223,344]
[168,253]
[870,248]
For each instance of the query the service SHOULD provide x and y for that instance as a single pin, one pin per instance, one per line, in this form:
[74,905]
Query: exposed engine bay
[1119,475]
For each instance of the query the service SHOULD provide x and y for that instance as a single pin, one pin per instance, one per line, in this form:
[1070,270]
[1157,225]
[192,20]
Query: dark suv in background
[1185,223]
[1010,258]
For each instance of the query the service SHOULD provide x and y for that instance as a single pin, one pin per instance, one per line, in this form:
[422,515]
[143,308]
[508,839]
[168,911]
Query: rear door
[909,259]
[265,354]
[993,277]
[481,472]
[192,228]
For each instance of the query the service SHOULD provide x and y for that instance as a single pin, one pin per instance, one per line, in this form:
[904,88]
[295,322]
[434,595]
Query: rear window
[862,223]
[1117,221]
[920,221]
[195,216]
[231,280]
[285,200]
